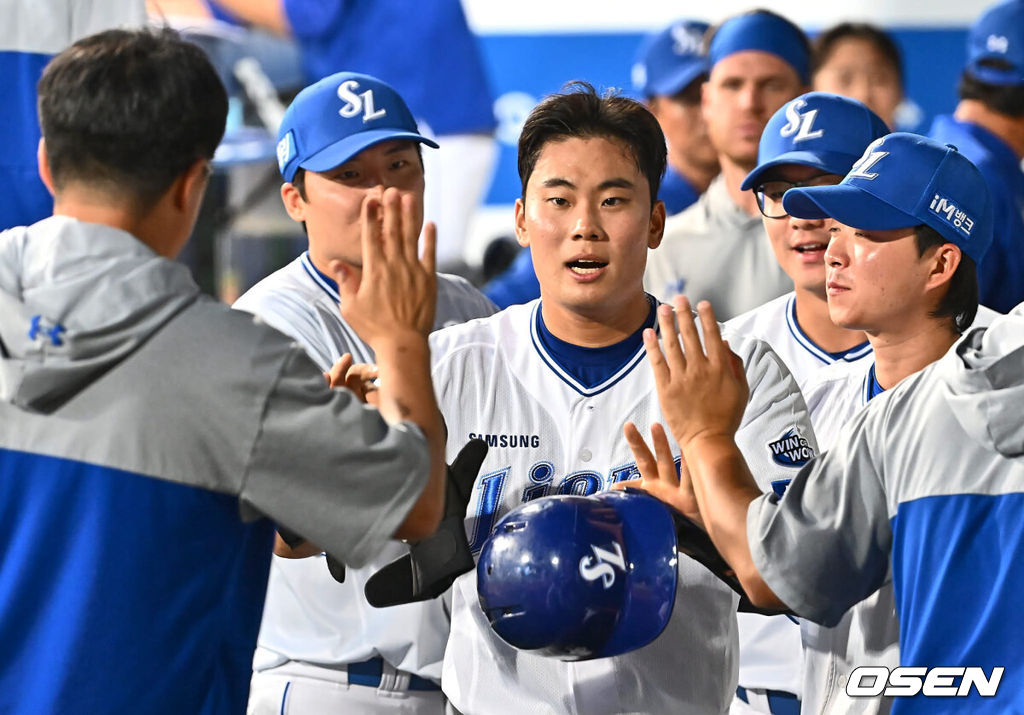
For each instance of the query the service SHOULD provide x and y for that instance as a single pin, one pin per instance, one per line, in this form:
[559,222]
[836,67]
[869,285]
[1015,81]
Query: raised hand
[702,390]
[397,289]
[658,474]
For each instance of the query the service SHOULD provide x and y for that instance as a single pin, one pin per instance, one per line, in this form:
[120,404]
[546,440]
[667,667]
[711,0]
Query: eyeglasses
[769,194]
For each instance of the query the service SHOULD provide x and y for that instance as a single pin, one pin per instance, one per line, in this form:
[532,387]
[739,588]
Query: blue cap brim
[676,81]
[847,204]
[341,151]
[650,536]
[829,161]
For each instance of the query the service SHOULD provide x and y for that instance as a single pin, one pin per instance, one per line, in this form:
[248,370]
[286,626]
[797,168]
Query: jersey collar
[325,284]
[553,364]
[852,355]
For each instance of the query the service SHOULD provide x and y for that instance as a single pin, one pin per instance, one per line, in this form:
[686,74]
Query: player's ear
[193,184]
[944,264]
[43,163]
[521,235]
[657,226]
[293,202]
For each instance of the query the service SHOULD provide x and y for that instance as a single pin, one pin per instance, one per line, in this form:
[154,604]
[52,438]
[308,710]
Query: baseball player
[907,277]
[923,487]
[149,435]
[988,127]
[449,95]
[670,69]
[546,384]
[716,249]
[322,648]
[813,140]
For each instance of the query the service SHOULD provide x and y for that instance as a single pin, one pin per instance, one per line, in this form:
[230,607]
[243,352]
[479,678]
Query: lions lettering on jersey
[491,487]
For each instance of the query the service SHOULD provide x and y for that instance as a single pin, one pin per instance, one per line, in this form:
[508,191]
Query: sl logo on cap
[356,103]
[861,170]
[997,43]
[599,566]
[800,123]
[686,41]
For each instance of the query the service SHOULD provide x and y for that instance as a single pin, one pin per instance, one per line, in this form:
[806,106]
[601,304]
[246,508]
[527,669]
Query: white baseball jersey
[550,434]
[868,634]
[771,654]
[309,617]
[776,323]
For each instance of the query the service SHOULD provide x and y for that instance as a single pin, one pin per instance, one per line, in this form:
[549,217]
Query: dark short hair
[826,43]
[960,303]
[579,112]
[128,111]
[1005,99]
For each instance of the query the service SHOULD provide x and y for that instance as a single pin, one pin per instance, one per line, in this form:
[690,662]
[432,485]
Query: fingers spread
[645,462]
[688,331]
[663,453]
[656,358]
[392,228]
[370,221]
[713,344]
[429,256]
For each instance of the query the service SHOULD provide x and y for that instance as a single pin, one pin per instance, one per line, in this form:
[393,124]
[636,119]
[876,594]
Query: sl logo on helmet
[599,566]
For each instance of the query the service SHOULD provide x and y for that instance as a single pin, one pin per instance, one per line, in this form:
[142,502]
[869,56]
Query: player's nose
[587,225]
[836,253]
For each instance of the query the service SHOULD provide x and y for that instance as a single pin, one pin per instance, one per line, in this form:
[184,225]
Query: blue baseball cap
[905,180]
[332,120]
[998,35]
[766,32]
[670,60]
[577,577]
[818,129]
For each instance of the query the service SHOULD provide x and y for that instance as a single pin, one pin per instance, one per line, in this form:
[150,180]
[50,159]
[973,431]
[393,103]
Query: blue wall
[524,68]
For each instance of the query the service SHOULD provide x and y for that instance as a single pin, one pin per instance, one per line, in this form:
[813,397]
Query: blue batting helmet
[580,577]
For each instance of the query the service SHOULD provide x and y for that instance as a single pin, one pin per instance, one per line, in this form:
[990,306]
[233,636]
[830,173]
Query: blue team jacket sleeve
[353,477]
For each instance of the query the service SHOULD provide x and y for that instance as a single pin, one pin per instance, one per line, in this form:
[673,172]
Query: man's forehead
[579,162]
[791,172]
[752,64]
[384,148]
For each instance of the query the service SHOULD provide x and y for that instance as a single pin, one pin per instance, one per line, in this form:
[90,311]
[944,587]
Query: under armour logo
[861,170]
[53,332]
[599,566]
[997,43]
[356,103]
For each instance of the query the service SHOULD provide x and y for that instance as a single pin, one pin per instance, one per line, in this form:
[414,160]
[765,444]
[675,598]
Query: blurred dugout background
[530,48]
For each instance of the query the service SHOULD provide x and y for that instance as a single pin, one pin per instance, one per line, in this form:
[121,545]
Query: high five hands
[703,392]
